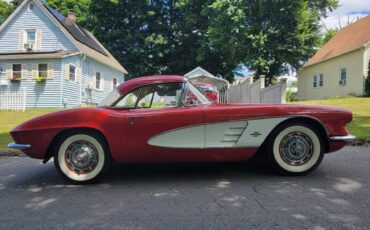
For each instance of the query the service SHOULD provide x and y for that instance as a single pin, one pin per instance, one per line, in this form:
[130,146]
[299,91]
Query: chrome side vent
[232,134]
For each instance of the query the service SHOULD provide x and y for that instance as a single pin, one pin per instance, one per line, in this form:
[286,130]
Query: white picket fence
[255,92]
[13,100]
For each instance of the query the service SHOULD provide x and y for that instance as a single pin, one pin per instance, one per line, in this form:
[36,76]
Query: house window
[321,80]
[98,81]
[72,73]
[17,72]
[43,70]
[114,83]
[315,81]
[31,37]
[343,76]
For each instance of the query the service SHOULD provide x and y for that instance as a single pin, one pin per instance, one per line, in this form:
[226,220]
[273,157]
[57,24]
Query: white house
[57,62]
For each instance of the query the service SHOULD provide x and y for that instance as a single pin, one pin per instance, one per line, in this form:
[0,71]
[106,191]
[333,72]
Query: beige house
[340,67]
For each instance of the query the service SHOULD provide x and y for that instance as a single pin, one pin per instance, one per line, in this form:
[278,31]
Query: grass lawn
[360,107]
[10,119]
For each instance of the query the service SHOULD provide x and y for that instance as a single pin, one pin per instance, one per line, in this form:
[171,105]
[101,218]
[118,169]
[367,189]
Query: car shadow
[182,172]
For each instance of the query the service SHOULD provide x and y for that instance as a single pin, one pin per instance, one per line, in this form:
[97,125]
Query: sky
[348,11]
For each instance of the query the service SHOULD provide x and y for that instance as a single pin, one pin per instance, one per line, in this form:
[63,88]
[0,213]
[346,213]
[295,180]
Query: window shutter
[66,72]
[38,39]
[50,71]
[35,71]
[94,81]
[9,71]
[24,71]
[78,75]
[21,38]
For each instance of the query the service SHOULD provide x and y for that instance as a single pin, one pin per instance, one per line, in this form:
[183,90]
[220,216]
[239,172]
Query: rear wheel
[82,157]
[295,149]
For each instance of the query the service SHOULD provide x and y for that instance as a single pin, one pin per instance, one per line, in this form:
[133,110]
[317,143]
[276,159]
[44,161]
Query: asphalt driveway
[190,196]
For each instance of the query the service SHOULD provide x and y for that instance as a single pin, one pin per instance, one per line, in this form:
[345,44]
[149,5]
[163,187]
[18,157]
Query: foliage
[5,10]
[80,7]
[156,37]
[328,35]
[367,83]
[269,37]
[175,36]
[289,96]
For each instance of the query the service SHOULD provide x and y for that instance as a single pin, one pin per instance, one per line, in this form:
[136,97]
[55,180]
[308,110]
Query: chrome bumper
[347,138]
[14,145]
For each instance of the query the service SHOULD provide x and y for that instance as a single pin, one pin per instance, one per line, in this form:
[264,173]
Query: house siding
[71,93]
[89,68]
[52,38]
[42,95]
[58,91]
[353,62]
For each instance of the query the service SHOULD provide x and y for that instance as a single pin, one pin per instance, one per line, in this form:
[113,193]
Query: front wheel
[82,157]
[295,149]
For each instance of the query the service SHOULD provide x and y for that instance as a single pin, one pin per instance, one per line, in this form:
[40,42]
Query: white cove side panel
[230,134]
[190,137]
[257,131]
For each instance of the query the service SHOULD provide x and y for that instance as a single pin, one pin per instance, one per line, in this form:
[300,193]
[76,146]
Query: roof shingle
[348,39]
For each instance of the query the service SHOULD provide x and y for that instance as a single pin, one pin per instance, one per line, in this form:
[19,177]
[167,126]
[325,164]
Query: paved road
[200,196]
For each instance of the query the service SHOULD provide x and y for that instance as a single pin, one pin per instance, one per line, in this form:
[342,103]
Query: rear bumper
[347,138]
[14,145]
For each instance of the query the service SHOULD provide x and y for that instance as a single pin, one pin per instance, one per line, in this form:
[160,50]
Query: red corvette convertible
[152,119]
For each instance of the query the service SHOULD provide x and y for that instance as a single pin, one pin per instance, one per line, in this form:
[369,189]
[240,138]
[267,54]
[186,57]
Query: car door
[162,129]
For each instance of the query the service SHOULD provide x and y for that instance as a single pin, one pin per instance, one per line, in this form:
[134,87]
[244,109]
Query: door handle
[131,120]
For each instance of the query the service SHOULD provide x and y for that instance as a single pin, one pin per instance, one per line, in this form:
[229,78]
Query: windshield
[192,93]
[110,99]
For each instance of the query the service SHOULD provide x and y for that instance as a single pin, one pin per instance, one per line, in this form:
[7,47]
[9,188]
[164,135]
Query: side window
[321,82]
[315,81]
[72,73]
[153,96]
[343,76]
[160,96]
[129,101]
[43,71]
[17,71]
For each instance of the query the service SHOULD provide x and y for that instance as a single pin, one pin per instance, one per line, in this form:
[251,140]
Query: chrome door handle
[131,120]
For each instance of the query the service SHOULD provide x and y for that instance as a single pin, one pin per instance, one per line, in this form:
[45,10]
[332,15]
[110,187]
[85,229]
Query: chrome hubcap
[296,148]
[81,157]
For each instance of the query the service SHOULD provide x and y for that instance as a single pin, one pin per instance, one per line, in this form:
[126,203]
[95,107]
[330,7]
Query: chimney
[72,16]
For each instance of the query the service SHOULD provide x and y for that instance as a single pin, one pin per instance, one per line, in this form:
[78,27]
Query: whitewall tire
[82,157]
[295,149]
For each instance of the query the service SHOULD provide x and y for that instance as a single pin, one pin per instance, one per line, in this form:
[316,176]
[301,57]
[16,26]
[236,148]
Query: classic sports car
[166,119]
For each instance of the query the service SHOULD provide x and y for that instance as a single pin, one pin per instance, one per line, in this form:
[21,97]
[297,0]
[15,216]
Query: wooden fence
[13,100]
[256,92]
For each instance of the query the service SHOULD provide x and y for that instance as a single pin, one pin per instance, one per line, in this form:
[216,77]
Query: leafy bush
[367,83]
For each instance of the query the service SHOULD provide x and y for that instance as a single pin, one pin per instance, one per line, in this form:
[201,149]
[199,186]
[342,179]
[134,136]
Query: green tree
[5,10]
[156,37]
[367,83]
[269,37]
[328,35]
[16,3]
[80,7]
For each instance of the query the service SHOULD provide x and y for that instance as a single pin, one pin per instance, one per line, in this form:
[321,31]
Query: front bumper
[14,145]
[347,138]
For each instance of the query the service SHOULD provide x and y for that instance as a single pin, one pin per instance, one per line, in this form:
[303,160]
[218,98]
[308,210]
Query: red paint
[128,142]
